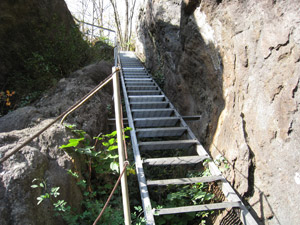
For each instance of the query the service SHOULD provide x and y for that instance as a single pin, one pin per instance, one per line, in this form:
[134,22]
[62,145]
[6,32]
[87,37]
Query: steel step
[146,98]
[144,113]
[133,68]
[156,122]
[137,76]
[130,65]
[149,105]
[183,160]
[184,181]
[135,73]
[143,92]
[138,79]
[136,88]
[161,132]
[152,118]
[166,145]
[134,84]
[134,62]
[197,208]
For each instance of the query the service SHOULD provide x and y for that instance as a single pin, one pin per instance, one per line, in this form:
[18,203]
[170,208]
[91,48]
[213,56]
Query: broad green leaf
[54,191]
[70,126]
[200,195]
[111,141]
[98,138]
[132,171]
[40,199]
[110,156]
[72,143]
[112,134]
[112,147]
[106,144]
[127,128]
[114,166]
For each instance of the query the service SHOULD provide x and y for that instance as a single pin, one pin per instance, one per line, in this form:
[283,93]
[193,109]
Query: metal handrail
[118,112]
[119,127]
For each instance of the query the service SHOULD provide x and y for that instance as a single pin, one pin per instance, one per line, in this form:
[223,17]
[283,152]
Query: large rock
[42,158]
[237,64]
[40,44]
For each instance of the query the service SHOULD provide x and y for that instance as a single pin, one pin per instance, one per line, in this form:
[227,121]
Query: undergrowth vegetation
[102,161]
[96,182]
[171,196]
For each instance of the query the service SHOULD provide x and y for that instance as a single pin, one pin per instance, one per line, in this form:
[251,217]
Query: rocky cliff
[236,63]
[39,44]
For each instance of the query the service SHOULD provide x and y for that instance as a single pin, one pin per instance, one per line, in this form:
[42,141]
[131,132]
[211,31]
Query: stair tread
[144,83]
[133,68]
[156,122]
[139,82]
[157,118]
[143,92]
[149,105]
[136,76]
[184,180]
[150,110]
[164,145]
[161,132]
[167,142]
[146,98]
[197,208]
[139,86]
[138,79]
[175,160]
[150,113]
[161,129]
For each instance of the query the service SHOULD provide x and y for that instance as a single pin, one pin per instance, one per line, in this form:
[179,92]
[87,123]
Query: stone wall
[237,64]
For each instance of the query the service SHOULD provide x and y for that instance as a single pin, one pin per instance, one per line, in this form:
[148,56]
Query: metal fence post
[124,185]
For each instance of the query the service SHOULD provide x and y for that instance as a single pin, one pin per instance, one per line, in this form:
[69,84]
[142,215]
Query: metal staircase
[158,127]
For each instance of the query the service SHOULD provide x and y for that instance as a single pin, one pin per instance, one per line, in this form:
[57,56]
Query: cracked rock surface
[237,63]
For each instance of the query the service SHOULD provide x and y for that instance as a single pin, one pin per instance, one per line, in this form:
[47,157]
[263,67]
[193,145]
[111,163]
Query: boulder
[42,157]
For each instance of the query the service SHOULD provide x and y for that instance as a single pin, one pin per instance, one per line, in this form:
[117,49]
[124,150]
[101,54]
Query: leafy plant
[5,101]
[103,153]
[102,159]
[136,217]
[222,163]
[159,78]
[183,195]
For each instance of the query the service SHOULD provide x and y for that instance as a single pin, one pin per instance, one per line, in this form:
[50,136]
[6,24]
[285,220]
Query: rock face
[237,64]
[40,44]
[42,158]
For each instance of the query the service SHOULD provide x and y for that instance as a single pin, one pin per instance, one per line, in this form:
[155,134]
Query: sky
[76,8]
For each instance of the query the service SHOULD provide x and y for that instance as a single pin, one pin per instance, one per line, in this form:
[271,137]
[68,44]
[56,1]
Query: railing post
[118,113]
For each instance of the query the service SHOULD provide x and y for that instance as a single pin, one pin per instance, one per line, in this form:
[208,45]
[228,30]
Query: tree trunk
[126,40]
[130,19]
[117,21]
